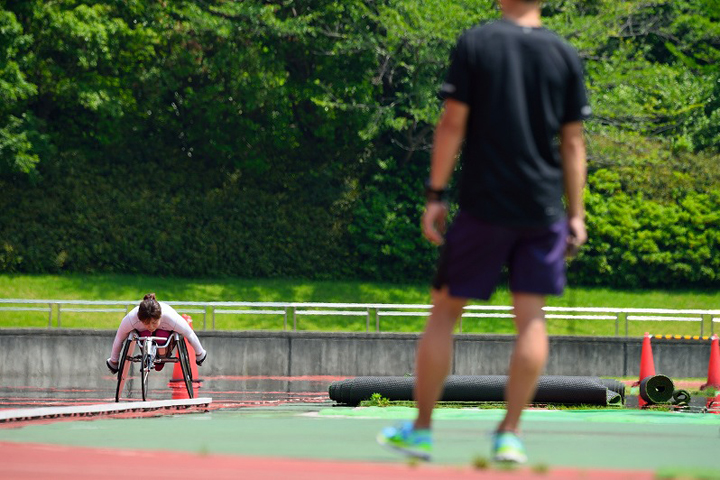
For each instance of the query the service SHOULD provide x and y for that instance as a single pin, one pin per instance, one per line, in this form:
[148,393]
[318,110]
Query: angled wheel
[146,365]
[124,362]
[185,366]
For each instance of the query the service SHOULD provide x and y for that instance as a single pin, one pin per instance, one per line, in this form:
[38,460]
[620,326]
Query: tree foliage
[291,138]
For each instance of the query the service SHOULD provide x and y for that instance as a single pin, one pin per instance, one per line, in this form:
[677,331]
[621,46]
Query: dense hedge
[161,223]
[638,242]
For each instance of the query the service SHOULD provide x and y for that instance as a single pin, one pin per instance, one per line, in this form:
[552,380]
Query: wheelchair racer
[153,318]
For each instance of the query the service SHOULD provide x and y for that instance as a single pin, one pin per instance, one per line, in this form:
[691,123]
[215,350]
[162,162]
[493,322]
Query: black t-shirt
[522,84]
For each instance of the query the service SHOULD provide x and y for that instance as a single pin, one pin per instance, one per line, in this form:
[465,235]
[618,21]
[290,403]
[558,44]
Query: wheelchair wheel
[146,365]
[124,362]
[185,366]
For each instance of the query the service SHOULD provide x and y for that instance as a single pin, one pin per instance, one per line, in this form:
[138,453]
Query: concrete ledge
[52,357]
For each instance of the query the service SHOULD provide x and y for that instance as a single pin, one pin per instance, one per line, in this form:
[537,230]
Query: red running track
[25,461]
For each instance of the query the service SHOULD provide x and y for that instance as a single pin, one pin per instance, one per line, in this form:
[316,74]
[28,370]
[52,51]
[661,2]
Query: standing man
[515,95]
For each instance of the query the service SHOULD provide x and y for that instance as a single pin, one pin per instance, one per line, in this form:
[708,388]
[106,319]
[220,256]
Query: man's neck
[524,14]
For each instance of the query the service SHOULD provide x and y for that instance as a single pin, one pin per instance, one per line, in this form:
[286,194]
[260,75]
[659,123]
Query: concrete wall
[52,358]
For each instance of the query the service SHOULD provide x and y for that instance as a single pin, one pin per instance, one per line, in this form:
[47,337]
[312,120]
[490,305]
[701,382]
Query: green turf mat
[689,473]
[594,415]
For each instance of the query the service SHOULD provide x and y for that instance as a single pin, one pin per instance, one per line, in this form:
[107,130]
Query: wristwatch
[433,194]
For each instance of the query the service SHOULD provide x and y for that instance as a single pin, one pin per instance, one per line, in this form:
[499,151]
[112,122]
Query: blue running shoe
[508,448]
[404,439]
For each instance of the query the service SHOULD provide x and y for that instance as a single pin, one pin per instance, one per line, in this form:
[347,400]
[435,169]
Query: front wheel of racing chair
[147,362]
[124,362]
[184,359]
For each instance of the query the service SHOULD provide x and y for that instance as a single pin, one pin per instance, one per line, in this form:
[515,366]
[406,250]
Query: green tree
[19,139]
[292,138]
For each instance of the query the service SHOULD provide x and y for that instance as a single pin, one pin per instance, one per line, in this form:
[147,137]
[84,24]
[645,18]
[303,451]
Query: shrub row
[183,224]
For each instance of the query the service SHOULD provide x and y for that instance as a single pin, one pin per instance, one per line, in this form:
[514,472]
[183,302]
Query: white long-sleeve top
[169,320]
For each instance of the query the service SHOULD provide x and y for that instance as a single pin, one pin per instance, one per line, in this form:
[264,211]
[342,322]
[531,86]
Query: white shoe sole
[517,459]
[420,455]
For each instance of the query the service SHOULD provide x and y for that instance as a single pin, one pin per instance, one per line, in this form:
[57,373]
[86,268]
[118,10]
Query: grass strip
[133,287]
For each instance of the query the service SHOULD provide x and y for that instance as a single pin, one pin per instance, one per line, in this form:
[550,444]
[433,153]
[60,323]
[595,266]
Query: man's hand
[434,222]
[577,236]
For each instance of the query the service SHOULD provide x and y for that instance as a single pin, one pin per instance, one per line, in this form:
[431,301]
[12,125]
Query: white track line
[20,414]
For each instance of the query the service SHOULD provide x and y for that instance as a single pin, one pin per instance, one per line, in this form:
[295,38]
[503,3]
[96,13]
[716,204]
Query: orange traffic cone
[177,382]
[647,365]
[714,365]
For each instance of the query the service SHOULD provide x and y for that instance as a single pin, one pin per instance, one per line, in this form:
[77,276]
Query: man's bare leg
[528,358]
[434,353]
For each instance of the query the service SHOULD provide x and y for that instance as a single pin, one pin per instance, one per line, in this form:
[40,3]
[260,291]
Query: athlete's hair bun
[149,308]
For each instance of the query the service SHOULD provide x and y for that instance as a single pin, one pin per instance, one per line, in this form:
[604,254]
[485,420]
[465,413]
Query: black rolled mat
[657,389]
[483,388]
[614,386]
[680,397]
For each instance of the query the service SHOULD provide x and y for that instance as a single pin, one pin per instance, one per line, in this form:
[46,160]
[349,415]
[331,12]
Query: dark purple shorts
[475,252]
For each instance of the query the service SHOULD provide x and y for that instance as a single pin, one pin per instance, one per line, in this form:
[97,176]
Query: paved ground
[287,428]
[77,463]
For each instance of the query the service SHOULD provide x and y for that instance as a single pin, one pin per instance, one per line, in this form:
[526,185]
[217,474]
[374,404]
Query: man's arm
[572,152]
[449,135]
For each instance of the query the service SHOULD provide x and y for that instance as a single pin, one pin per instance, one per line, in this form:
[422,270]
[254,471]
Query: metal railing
[373,313]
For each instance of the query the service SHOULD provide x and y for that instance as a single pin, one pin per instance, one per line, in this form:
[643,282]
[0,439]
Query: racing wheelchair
[152,351]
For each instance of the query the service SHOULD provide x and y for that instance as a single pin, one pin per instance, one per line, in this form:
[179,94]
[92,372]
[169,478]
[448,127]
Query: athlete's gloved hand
[199,360]
[112,366]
